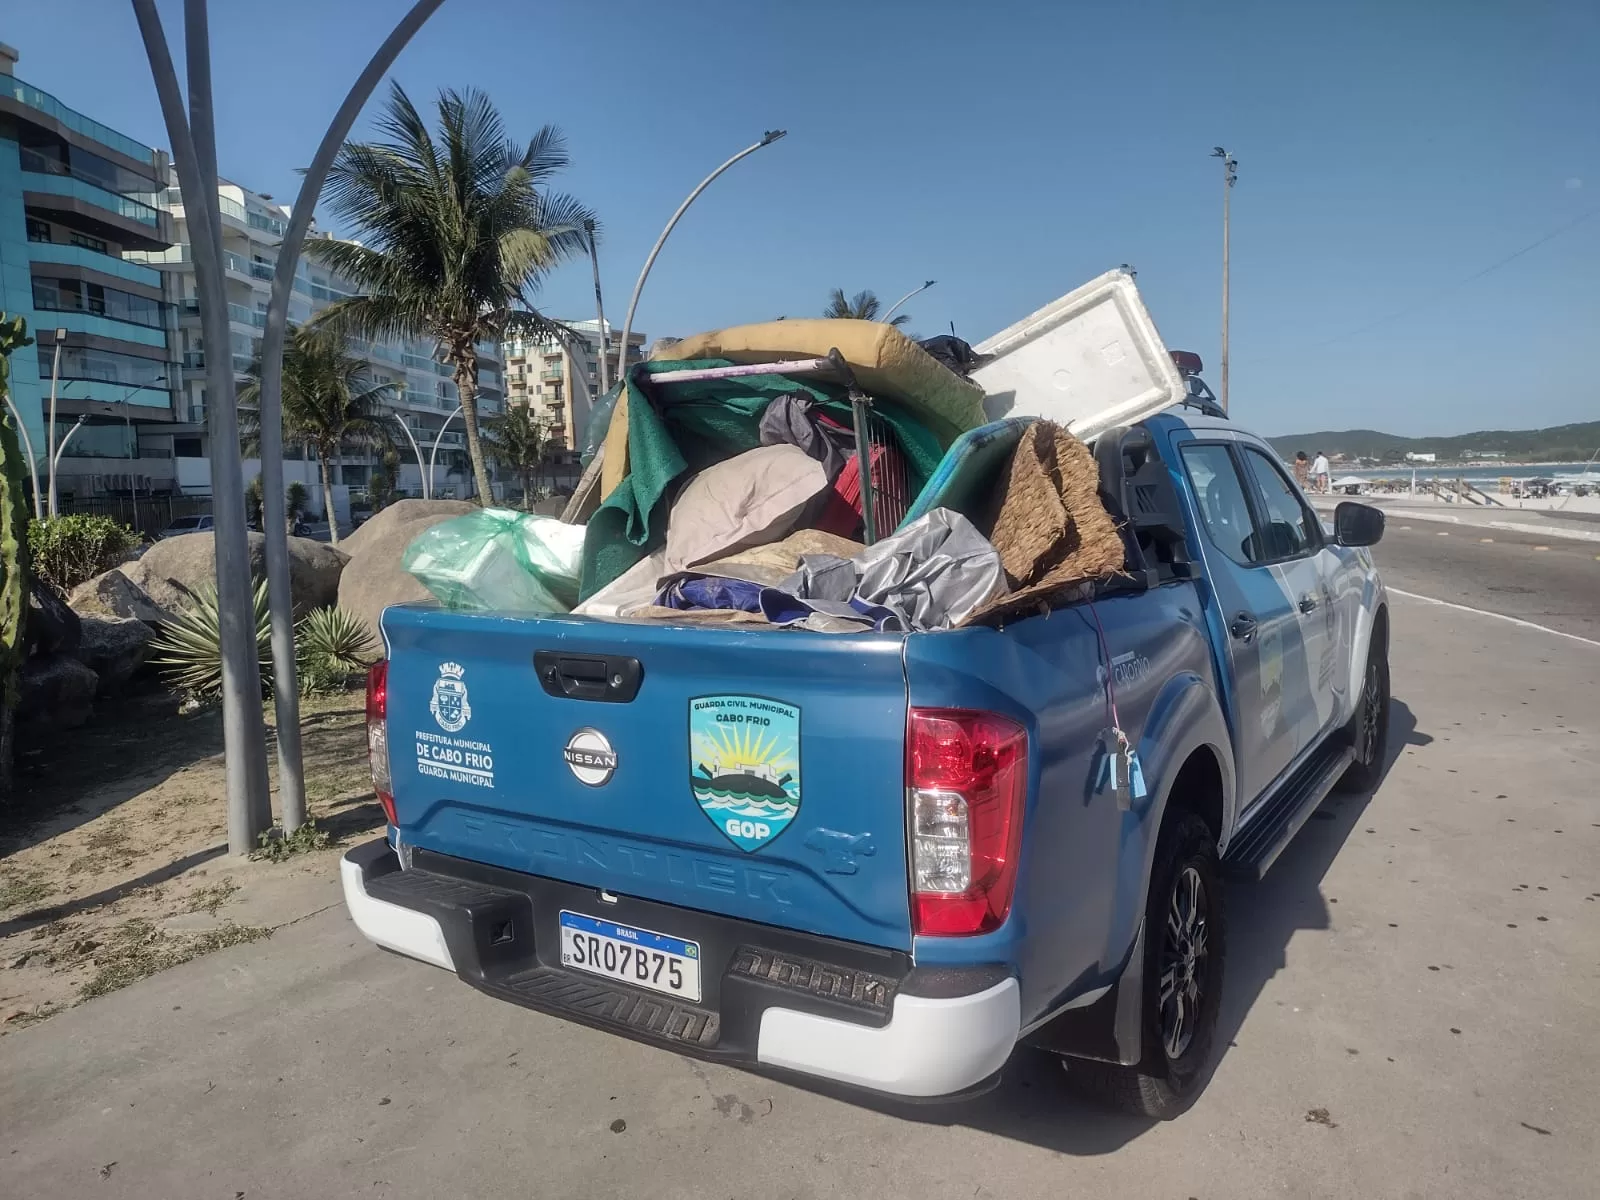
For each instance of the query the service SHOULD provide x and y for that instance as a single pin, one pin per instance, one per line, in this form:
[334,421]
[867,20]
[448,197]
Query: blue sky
[1388,152]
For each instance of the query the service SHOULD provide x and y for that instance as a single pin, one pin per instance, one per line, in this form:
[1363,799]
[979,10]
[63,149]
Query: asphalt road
[1410,1011]
[1547,580]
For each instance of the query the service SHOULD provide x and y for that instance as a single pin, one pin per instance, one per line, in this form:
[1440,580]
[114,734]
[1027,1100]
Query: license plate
[628,955]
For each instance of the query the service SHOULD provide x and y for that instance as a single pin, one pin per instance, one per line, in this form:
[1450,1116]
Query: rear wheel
[1368,730]
[1185,936]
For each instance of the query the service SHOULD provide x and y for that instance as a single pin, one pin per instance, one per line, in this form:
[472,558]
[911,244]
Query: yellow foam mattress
[886,363]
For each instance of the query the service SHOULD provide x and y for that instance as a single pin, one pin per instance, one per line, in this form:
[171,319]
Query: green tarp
[701,424]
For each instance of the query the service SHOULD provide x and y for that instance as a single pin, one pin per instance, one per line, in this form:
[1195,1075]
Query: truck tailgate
[755,774]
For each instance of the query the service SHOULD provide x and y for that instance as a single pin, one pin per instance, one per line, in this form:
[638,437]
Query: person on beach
[1302,470]
[1319,473]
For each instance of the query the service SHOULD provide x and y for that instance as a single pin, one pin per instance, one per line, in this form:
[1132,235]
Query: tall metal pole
[600,317]
[421,470]
[434,453]
[50,436]
[895,307]
[286,694]
[1230,173]
[62,448]
[243,723]
[33,463]
[767,139]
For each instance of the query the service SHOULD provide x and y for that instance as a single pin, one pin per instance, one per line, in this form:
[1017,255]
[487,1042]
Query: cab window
[1288,528]
[1221,498]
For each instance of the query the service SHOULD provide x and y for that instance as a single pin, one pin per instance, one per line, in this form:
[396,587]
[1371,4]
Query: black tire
[1176,1056]
[1368,731]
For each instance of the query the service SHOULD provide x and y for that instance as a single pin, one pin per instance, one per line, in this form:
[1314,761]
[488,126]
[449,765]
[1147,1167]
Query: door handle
[1243,627]
[1308,603]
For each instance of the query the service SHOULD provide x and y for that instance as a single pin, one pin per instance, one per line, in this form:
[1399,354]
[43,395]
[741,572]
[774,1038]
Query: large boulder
[114,648]
[113,595]
[374,577]
[382,524]
[56,692]
[171,570]
[52,626]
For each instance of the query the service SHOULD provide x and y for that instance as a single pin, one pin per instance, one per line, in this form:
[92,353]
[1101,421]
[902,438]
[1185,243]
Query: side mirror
[1357,524]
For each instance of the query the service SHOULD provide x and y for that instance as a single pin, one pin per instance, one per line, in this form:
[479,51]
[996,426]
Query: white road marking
[1484,612]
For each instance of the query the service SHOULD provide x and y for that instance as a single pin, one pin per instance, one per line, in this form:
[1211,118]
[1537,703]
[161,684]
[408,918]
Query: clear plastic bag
[500,560]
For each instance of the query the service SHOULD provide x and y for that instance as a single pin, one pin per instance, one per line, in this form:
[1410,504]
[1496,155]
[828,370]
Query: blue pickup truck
[1005,836]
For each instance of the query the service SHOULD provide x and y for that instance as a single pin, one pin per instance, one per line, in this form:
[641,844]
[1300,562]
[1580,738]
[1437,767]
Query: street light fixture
[767,139]
[27,446]
[1230,175]
[62,449]
[600,312]
[895,307]
[427,492]
[248,808]
[434,453]
[50,436]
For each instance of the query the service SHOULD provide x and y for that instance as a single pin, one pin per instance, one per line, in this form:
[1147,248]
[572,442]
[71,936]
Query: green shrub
[189,650]
[70,549]
[295,499]
[253,502]
[334,646]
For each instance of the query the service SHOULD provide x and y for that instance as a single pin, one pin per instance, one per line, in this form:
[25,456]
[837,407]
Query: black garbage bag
[954,353]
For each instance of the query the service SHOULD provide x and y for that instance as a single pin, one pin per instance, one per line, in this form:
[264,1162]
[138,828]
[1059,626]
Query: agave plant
[336,637]
[189,650]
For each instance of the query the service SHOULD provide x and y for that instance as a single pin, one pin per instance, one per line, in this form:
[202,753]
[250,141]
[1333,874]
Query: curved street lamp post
[194,150]
[434,453]
[286,696]
[427,492]
[895,307]
[27,446]
[593,470]
[767,139]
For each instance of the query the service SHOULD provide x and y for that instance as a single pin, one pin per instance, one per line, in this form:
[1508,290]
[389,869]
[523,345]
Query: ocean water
[1477,475]
[736,804]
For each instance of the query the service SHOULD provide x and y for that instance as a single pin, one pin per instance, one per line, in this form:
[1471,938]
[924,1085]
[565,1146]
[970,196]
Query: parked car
[202,523]
[976,865]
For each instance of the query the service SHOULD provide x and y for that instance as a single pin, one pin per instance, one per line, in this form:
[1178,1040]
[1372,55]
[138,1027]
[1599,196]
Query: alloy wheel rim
[1371,714]
[1183,957]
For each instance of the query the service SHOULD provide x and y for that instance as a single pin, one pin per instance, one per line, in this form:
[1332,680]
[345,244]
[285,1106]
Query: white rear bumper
[390,926]
[930,1047]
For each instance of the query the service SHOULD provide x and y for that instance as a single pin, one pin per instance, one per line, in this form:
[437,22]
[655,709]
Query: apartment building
[424,398]
[77,198]
[562,382]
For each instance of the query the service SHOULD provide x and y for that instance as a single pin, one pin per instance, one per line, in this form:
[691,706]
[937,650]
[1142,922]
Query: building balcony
[106,398]
[82,205]
[88,323]
[40,101]
[552,376]
[92,260]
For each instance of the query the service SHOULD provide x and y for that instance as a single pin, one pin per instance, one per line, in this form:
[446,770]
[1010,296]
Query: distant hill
[1560,443]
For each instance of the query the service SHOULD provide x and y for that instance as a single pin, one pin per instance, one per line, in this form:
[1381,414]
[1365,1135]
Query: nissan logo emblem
[590,757]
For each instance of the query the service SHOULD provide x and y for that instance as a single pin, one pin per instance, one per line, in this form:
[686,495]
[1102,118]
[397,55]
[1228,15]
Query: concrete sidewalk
[1409,1013]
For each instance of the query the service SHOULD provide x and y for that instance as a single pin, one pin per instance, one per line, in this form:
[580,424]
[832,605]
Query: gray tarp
[933,574]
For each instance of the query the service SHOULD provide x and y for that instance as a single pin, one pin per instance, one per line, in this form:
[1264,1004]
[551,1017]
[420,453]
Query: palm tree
[456,233]
[863,306]
[329,403]
[519,442]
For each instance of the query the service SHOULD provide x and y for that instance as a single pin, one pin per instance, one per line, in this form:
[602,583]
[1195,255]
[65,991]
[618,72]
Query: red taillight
[966,780]
[378,736]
